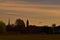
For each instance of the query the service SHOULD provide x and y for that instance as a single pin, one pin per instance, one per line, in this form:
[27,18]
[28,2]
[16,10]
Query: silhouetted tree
[53,26]
[20,23]
[27,23]
[19,26]
[2,27]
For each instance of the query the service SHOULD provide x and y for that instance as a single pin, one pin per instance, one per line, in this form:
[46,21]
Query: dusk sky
[39,12]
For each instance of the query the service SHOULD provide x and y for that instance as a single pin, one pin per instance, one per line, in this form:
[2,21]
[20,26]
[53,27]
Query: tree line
[19,27]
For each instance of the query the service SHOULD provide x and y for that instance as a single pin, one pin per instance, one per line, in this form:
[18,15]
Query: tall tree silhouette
[19,25]
[27,23]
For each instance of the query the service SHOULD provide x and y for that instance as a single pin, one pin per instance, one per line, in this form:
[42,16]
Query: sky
[38,12]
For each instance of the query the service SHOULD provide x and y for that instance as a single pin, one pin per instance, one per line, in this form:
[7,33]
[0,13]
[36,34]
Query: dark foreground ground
[29,37]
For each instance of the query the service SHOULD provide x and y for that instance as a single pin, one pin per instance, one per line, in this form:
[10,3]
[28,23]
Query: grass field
[29,37]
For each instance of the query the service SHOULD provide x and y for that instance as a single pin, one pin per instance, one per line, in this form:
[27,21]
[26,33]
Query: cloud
[34,12]
[34,1]
[30,8]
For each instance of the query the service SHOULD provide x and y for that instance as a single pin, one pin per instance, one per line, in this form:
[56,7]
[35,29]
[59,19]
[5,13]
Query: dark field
[29,37]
